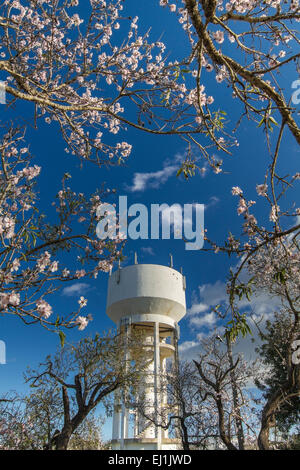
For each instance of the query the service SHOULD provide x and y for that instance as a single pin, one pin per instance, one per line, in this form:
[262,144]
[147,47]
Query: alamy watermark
[296,93]
[296,353]
[175,221]
[2,93]
[2,352]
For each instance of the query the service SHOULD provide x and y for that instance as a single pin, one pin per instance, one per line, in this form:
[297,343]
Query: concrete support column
[157,393]
[124,409]
[116,417]
[176,369]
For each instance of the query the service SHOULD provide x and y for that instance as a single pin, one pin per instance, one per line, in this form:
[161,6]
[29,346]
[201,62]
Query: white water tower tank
[146,289]
[150,297]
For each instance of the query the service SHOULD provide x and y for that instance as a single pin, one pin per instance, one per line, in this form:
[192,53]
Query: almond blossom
[43,308]
[82,322]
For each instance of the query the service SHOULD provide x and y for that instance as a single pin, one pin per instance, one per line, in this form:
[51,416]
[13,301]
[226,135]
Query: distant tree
[208,406]
[185,415]
[89,435]
[222,387]
[294,442]
[274,352]
[86,374]
[28,423]
[15,433]
[194,421]
[275,269]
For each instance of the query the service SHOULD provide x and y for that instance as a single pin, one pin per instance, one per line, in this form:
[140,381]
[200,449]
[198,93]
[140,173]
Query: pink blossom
[219,36]
[53,266]
[43,308]
[43,261]
[273,214]
[14,299]
[82,302]
[82,322]
[15,265]
[65,272]
[80,273]
[261,189]
[236,191]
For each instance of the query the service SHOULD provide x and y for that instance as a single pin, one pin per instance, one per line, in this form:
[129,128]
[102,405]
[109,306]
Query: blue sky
[149,176]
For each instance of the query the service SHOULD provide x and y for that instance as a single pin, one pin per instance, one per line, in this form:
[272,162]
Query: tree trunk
[225,438]
[237,417]
[267,421]
[185,437]
[62,440]
[263,438]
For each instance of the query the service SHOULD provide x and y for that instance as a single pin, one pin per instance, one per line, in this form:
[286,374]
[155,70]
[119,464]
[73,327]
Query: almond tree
[208,401]
[92,77]
[259,33]
[86,374]
[274,351]
[13,424]
[94,74]
[89,435]
[264,42]
[31,266]
[222,375]
[28,423]
[264,49]
[276,269]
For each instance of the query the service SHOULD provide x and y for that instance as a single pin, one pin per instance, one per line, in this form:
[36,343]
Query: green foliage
[62,337]
[280,276]
[187,168]
[218,119]
[268,121]
[274,353]
[238,326]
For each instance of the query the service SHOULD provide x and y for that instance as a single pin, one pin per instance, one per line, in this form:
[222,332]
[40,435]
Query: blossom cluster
[66,67]
[31,266]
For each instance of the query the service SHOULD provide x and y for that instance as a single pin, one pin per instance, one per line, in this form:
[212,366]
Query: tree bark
[61,441]
[185,436]
[221,59]
[225,438]
[237,417]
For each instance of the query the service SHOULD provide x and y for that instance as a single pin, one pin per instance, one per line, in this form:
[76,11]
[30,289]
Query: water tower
[151,298]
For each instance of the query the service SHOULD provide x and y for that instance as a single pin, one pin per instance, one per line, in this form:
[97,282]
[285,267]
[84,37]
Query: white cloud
[143,181]
[76,289]
[214,294]
[187,345]
[200,316]
[208,320]
[189,350]
[148,250]
[213,200]
[200,336]
[197,308]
